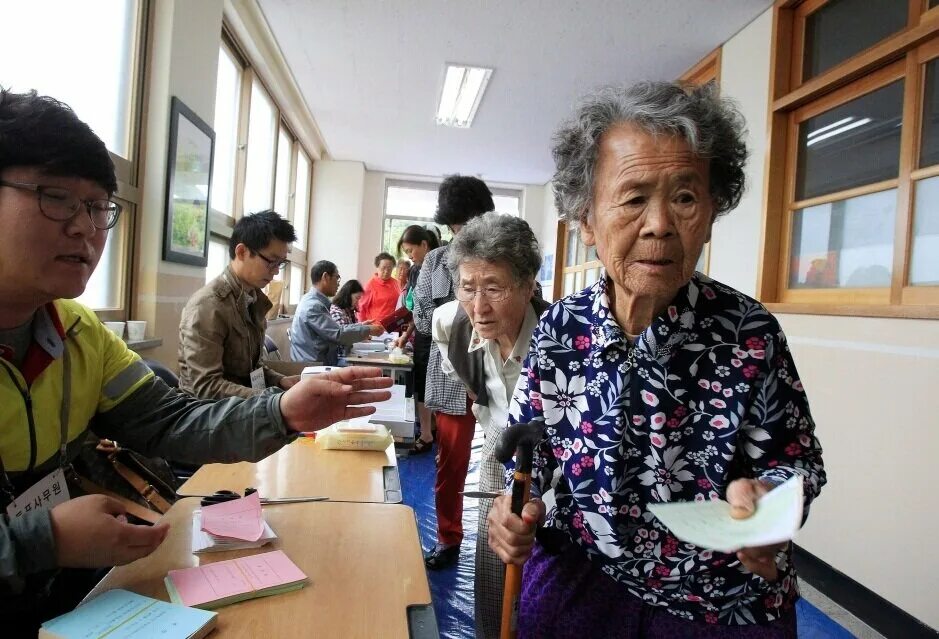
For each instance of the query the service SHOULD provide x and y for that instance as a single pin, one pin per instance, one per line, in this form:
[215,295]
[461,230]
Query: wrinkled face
[403,269]
[415,252]
[384,269]
[258,268]
[651,212]
[41,258]
[499,304]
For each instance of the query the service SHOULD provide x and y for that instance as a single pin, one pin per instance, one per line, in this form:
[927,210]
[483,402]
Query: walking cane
[520,440]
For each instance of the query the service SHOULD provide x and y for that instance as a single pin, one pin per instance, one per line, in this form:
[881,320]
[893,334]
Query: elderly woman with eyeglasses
[656,384]
[483,337]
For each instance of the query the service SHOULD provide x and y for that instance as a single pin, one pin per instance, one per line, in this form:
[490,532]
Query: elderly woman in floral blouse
[656,384]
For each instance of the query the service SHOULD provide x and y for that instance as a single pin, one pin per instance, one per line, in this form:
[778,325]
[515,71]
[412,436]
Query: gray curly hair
[494,237]
[712,126]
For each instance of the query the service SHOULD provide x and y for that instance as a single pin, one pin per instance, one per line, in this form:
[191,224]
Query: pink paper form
[238,518]
[204,584]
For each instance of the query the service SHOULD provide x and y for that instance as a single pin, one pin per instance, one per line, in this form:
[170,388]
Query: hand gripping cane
[518,440]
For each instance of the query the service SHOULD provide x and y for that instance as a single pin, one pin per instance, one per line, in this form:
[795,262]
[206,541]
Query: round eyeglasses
[62,205]
[491,293]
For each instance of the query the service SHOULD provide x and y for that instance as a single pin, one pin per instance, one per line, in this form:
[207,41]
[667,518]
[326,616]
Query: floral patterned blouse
[707,394]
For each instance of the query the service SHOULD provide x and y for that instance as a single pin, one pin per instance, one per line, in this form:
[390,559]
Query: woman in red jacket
[381,292]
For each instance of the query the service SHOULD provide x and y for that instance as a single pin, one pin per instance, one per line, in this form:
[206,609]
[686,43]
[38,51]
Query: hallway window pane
[45,46]
[227,101]
[301,208]
[844,244]
[853,144]
[924,261]
[262,128]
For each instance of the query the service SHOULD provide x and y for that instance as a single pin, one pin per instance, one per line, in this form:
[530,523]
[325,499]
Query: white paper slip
[207,542]
[708,524]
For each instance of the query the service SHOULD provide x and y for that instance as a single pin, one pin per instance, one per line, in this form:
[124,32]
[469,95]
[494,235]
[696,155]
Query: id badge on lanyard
[45,494]
[257,379]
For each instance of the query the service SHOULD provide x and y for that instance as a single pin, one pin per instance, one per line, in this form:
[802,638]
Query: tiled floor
[452,590]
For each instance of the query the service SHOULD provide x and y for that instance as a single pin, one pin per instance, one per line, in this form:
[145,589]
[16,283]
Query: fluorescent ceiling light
[463,88]
[842,129]
[833,125]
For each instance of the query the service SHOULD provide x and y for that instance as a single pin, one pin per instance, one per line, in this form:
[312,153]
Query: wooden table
[363,561]
[303,469]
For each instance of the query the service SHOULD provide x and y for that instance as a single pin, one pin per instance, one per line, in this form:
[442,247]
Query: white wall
[336,218]
[872,388]
[745,78]
[184,63]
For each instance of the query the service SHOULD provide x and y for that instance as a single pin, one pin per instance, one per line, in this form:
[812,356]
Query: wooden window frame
[900,56]
[129,170]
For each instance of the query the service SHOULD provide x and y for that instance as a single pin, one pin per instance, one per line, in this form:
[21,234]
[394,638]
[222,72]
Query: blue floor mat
[452,589]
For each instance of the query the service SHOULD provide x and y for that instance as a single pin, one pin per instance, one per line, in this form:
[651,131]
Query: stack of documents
[119,614]
[226,582]
[230,525]
[207,542]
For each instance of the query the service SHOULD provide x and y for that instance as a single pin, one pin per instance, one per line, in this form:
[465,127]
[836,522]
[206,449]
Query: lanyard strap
[5,483]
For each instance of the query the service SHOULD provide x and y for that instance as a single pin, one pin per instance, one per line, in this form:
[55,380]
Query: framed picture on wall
[188,184]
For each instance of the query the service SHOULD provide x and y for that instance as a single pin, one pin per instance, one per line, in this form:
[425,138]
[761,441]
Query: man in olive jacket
[221,331]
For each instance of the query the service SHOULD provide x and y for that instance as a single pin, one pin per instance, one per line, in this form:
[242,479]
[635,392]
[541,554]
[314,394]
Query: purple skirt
[567,595]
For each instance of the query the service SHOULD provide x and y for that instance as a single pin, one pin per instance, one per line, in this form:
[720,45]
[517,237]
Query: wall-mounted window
[227,112]
[111,107]
[852,221]
[410,202]
[259,164]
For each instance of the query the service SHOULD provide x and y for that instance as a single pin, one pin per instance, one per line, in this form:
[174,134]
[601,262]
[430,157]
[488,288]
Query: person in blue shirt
[314,335]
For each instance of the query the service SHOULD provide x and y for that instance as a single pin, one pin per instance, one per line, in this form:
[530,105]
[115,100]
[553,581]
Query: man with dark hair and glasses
[221,331]
[63,374]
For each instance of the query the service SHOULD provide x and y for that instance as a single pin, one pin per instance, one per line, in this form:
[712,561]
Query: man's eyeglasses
[62,205]
[491,293]
[273,265]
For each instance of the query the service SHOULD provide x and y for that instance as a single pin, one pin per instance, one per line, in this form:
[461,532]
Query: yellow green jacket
[90,380]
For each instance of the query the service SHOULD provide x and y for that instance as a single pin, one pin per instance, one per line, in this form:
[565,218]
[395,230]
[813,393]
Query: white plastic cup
[136,330]
[115,327]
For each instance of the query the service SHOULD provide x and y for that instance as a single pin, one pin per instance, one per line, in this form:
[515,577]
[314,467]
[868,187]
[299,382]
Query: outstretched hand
[742,495]
[92,532]
[318,401]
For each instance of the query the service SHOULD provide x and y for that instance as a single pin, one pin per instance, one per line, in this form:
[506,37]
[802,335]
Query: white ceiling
[371,70]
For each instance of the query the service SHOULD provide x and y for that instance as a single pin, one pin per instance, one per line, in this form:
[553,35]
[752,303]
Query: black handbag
[145,485]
